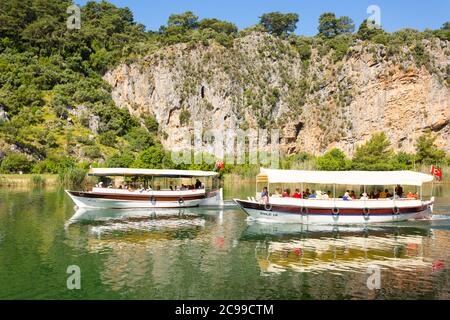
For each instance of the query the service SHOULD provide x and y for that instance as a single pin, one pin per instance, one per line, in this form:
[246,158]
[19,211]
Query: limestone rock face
[261,81]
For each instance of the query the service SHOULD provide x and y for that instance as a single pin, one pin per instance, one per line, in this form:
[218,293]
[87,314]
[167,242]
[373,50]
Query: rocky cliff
[318,101]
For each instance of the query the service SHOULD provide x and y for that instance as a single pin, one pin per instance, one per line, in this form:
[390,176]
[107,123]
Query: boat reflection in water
[141,249]
[107,221]
[336,249]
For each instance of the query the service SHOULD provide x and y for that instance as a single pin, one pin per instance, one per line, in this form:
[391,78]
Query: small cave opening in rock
[298,127]
[202,92]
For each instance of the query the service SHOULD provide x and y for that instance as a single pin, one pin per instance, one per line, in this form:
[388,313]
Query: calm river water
[212,254]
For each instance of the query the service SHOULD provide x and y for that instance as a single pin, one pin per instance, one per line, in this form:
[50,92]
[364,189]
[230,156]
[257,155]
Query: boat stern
[215,200]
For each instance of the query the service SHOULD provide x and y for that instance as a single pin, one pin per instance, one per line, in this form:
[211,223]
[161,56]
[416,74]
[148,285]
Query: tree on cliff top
[330,26]
[187,20]
[278,23]
[218,26]
[366,33]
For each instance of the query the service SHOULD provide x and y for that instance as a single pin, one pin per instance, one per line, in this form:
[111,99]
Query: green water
[212,254]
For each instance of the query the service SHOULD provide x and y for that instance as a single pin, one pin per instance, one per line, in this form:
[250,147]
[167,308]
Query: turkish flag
[220,165]
[436,171]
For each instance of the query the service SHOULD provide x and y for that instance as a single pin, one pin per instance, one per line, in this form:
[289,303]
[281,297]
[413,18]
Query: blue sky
[395,14]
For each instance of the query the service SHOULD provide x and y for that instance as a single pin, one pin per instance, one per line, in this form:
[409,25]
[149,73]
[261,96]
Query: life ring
[366,213]
[180,200]
[335,213]
[267,206]
[304,210]
[153,200]
[395,210]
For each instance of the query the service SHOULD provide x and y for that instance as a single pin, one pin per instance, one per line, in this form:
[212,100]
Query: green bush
[185,116]
[92,152]
[108,138]
[14,163]
[139,139]
[120,160]
[333,160]
[150,158]
[151,124]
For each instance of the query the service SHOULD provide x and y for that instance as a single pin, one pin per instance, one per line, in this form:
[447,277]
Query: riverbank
[29,180]
[53,180]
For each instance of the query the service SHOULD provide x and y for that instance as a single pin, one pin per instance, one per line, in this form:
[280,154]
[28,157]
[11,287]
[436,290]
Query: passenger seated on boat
[371,195]
[388,195]
[329,194]
[382,194]
[149,188]
[264,195]
[353,195]
[99,185]
[410,195]
[399,191]
[377,194]
[297,194]
[198,184]
[158,188]
[306,193]
[120,187]
[364,196]
[285,193]
[417,196]
[325,196]
[312,195]
[346,197]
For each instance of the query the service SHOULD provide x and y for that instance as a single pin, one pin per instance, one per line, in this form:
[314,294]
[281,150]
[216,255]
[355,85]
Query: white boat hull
[298,214]
[264,216]
[91,202]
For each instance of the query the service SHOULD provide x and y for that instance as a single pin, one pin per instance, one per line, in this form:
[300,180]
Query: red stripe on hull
[318,211]
[133,197]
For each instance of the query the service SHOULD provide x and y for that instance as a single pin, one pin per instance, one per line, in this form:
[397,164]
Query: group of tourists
[198,185]
[348,195]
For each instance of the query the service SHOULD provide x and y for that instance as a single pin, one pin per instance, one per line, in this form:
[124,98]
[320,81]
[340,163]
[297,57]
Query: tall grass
[72,178]
[38,181]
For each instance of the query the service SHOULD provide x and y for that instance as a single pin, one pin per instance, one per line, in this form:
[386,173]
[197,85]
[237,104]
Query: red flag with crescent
[436,171]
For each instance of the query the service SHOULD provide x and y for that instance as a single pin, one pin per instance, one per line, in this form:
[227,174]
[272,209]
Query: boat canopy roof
[150,172]
[344,177]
